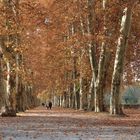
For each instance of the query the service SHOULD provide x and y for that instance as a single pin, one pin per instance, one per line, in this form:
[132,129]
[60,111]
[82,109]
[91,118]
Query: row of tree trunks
[78,97]
[14,92]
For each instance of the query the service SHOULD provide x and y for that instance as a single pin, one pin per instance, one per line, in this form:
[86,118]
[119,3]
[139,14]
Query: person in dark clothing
[50,105]
[43,104]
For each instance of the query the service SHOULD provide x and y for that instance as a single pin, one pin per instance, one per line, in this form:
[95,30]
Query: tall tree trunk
[115,102]
[2,93]
[8,83]
[74,85]
[99,81]
[98,84]
[18,56]
[81,93]
[12,14]
[17,75]
[74,71]
[67,99]
[71,96]
[82,83]
[104,80]
[92,49]
[60,100]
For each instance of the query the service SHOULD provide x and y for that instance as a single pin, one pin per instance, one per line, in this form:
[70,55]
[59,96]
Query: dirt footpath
[68,124]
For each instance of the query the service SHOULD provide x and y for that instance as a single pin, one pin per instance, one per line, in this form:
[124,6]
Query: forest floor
[68,124]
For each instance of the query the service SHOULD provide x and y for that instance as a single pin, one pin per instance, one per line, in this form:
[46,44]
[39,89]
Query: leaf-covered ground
[68,124]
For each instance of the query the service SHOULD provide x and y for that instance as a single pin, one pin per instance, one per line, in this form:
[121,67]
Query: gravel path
[67,124]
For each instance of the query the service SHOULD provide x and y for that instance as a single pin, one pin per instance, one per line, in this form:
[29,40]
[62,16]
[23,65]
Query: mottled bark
[2,91]
[81,92]
[99,81]
[74,71]
[2,94]
[92,49]
[115,102]
[82,89]
[61,100]
[99,74]
[8,82]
